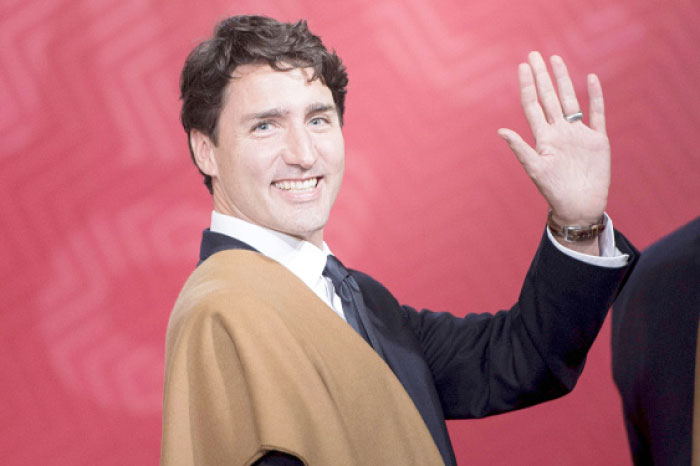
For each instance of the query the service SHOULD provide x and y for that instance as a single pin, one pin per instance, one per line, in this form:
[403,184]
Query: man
[654,351]
[277,354]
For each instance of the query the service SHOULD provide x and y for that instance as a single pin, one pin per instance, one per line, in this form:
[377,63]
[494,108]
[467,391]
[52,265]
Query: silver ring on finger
[578,116]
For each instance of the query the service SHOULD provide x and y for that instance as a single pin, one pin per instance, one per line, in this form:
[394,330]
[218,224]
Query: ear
[203,150]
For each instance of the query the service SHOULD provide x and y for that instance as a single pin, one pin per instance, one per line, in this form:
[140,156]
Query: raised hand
[570,164]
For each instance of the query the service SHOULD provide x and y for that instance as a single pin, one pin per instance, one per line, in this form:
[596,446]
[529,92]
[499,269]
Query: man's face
[280,155]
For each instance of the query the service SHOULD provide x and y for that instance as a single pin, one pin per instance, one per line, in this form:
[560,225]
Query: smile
[291,185]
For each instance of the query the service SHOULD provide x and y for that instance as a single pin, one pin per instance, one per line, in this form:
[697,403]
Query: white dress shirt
[307,261]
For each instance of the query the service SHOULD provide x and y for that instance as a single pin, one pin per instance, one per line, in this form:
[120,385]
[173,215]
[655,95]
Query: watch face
[581,233]
[575,233]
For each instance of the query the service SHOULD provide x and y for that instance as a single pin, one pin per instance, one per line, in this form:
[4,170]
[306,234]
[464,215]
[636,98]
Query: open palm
[570,163]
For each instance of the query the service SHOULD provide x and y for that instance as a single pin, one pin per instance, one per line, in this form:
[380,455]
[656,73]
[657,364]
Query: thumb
[526,155]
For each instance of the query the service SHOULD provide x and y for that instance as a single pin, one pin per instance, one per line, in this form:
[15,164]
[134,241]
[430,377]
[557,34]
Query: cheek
[334,149]
[340,159]
[340,163]
[253,165]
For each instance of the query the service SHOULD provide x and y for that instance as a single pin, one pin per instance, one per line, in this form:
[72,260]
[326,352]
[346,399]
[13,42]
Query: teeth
[297,185]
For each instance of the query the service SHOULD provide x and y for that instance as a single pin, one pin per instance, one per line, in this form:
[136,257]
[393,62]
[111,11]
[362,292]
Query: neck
[315,238]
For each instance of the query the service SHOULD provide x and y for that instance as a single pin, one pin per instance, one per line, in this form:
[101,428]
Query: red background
[101,209]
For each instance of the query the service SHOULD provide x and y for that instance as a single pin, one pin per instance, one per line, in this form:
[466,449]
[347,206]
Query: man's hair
[242,40]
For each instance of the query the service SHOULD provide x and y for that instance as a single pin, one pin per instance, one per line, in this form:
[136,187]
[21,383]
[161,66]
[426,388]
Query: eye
[318,121]
[262,126]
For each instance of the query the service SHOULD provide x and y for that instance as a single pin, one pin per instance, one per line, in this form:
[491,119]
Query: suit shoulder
[364,279]
[665,272]
[371,287]
[685,241]
[673,256]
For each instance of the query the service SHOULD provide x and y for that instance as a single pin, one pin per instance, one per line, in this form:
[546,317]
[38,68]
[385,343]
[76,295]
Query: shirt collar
[302,258]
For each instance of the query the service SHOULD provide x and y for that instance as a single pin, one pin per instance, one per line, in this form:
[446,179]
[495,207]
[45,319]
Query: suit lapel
[399,349]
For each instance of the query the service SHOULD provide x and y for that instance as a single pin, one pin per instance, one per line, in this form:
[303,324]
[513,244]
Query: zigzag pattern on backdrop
[87,311]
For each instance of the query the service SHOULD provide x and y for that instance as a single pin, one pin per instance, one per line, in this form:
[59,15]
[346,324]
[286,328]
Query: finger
[597,106]
[545,88]
[567,94]
[528,98]
[527,156]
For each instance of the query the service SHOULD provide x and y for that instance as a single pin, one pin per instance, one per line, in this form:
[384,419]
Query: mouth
[297,186]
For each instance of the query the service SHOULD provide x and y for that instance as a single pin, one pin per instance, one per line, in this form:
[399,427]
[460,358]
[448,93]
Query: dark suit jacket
[483,364]
[654,338]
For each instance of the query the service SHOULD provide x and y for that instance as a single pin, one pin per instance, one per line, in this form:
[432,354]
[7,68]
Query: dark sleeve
[485,364]
[276,458]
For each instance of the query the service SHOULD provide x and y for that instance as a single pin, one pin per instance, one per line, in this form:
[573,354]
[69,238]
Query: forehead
[258,86]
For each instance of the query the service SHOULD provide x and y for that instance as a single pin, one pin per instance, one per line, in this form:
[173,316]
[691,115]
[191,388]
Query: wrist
[580,220]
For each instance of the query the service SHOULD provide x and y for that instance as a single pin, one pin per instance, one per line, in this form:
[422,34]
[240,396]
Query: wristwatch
[573,233]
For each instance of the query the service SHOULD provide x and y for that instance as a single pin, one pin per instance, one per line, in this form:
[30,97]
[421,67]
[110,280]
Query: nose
[300,148]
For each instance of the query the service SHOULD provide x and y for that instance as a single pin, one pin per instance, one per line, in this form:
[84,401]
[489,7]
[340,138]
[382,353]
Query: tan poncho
[255,361]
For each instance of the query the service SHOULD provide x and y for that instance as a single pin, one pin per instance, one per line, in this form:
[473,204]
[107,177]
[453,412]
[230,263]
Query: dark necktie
[349,293]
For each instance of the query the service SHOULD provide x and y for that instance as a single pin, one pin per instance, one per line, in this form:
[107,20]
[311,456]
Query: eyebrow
[312,109]
[318,107]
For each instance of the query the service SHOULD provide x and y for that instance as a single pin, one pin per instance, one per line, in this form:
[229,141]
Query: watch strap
[573,233]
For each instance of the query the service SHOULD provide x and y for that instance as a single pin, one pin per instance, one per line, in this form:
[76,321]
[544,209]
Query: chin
[303,227]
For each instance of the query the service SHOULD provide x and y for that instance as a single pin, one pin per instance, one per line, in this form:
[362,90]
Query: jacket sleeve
[485,364]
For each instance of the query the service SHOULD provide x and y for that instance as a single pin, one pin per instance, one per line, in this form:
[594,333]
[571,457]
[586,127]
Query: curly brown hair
[242,40]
